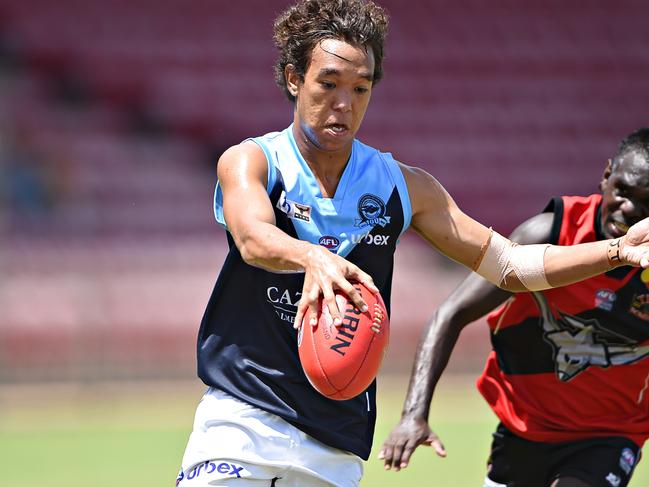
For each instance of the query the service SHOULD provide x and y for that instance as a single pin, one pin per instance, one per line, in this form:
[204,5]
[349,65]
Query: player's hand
[404,440]
[326,272]
[634,246]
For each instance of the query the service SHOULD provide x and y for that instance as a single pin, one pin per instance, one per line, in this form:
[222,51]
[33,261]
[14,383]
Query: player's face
[625,194]
[332,99]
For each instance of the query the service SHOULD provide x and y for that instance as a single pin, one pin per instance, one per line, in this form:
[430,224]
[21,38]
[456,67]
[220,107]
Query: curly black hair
[301,27]
[637,141]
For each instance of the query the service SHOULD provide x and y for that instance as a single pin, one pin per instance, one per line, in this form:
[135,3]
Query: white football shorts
[234,444]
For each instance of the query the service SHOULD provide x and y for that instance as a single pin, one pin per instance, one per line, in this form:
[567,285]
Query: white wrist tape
[502,256]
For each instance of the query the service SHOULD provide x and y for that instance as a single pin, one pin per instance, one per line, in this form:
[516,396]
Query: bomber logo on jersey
[371,210]
[640,306]
[329,242]
[580,343]
[604,299]
[293,209]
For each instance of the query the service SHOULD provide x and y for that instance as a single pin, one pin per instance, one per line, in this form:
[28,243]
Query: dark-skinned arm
[472,299]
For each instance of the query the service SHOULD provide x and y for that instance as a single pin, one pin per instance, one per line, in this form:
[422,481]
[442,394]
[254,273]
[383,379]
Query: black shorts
[605,462]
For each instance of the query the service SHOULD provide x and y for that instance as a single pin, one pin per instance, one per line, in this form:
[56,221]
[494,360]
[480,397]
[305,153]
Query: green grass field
[134,435]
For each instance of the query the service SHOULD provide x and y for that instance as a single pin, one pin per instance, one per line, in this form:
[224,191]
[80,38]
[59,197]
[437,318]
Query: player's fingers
[644,261]
[299,315]
[397,454]
[365,278]
[329,299]
[312,313]
[311,302]
[408,449]
[355,296]
[438,446]
[386,455]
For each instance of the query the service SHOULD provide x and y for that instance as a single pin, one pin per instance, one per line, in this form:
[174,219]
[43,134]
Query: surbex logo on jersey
[579,343]
[369,239]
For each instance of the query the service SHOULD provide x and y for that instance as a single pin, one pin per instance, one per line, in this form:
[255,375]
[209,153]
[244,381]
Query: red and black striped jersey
[573,363]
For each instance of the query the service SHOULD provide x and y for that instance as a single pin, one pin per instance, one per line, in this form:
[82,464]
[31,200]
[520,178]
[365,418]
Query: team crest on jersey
[294,210]
[371,210]
[581,343]
[640,306]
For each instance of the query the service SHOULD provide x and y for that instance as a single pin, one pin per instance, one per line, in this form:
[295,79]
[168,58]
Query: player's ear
[292,79]
[607,173]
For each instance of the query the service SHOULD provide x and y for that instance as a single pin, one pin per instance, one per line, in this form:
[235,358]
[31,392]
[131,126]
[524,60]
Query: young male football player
[282,194]
[569,370]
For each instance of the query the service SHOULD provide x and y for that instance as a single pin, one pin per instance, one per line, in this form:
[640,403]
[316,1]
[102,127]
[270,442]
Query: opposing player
[307,210]
[569,373]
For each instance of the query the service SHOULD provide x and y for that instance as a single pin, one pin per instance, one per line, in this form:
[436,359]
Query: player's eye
[327,85]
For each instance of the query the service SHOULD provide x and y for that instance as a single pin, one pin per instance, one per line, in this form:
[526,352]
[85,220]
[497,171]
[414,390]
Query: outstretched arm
[473,298]
[242,173]
[513,267]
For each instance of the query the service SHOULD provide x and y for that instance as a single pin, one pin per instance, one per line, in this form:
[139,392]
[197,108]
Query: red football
[342,362]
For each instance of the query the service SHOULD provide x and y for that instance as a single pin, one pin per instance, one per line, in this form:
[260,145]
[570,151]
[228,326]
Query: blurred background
[113,114]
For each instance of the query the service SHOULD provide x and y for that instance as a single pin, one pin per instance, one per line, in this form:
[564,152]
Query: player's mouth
[337,129]
[618,228]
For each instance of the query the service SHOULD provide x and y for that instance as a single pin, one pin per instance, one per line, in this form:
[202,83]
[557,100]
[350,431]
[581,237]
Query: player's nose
[343,101]
[631,210]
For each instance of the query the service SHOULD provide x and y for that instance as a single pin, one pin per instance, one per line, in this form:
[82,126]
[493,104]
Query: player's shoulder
[420,183]
[247,149]
[246,156]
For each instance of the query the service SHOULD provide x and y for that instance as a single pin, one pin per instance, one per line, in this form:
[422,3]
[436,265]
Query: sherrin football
[341,362]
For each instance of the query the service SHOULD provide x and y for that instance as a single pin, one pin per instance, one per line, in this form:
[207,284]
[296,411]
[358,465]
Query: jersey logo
[613,479]
[284,302]
[369,239]
[640,307]
[222,470]
[294,210]
[604,299]
[371,210]
[329,242]
[627,460]
[579,343]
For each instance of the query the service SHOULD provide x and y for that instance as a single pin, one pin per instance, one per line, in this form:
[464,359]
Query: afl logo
[329,242]
[371,210]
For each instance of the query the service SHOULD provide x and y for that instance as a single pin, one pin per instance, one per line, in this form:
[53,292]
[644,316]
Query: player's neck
[327,166]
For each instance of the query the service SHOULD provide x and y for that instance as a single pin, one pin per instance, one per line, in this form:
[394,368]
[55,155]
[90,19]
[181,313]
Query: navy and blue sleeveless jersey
[247,345]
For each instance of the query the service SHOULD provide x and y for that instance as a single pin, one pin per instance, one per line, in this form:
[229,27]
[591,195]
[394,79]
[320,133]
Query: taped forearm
[499,257]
